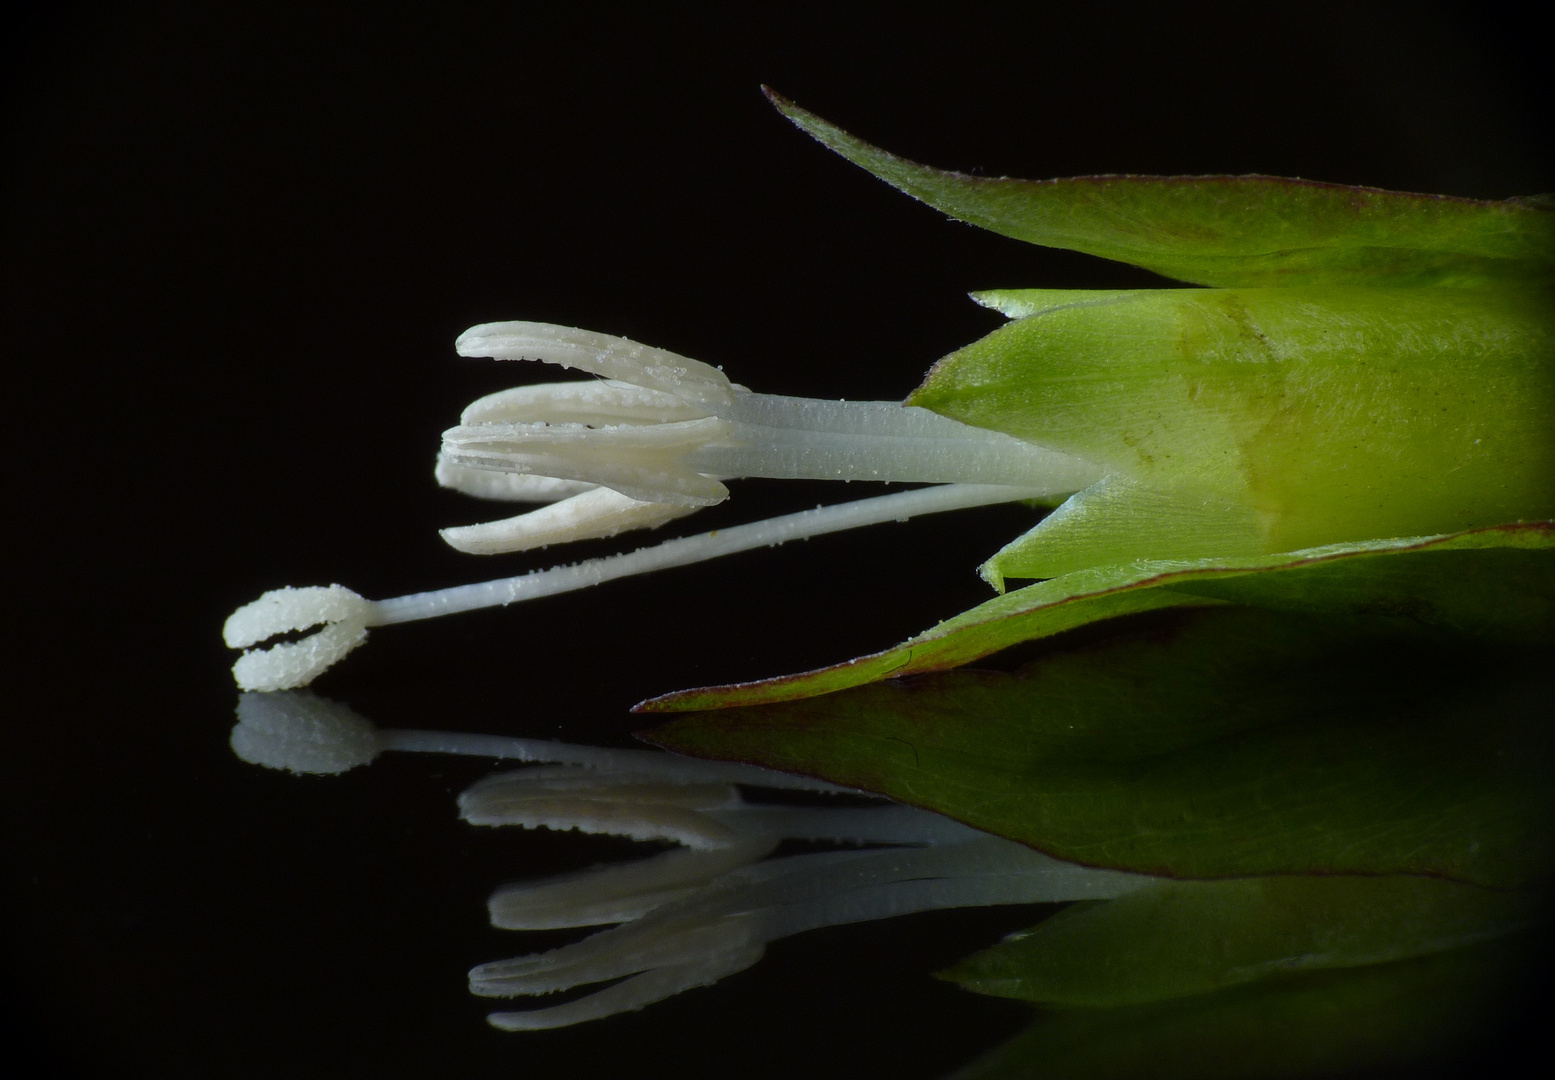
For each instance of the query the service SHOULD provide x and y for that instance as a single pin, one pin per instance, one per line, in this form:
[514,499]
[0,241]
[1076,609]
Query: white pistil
[293,664]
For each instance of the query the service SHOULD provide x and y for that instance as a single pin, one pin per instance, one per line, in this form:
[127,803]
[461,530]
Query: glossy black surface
[240,242]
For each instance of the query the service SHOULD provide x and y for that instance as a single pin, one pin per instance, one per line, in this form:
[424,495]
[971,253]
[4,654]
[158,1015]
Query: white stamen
[761,435]
[504,486]
[652,462]
[595,403]
[742,910]
[599,354]
[591,515]
[687,917]
[280,611]
[567,798]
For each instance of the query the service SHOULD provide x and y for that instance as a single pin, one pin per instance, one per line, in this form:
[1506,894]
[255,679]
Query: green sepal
[1496,583]
[1248,421]
[1119,521]
[1234,230]
[1215,742]
[1177,938]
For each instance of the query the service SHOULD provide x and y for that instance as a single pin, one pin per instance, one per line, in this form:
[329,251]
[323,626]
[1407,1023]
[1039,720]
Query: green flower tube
[1236,422]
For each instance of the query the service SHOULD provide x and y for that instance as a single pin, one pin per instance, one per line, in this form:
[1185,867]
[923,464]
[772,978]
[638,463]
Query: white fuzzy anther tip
[285,666]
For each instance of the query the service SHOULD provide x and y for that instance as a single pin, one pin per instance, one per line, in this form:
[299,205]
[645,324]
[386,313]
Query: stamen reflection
[690,916]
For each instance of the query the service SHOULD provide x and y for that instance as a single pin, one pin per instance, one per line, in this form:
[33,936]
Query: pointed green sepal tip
[1234,230]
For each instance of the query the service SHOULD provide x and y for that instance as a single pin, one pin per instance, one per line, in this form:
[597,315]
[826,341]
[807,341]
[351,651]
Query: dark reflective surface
[242,242]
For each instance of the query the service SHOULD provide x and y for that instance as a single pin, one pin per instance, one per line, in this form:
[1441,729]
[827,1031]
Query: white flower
[654,441]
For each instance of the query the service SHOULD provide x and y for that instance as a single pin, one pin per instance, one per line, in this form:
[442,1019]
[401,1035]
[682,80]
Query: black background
[240,239]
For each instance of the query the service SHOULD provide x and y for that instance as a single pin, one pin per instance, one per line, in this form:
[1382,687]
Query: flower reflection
[1217,977]
[689,916]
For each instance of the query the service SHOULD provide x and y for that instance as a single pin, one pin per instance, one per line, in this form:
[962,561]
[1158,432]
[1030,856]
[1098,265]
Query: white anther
[599,354]
[596,513]
[504,486]
[646,462]
[598,404]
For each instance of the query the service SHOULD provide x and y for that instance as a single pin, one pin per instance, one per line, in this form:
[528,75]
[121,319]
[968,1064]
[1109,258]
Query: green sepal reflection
[1234,230]
[1423,1012]
[1213,742]
[1178,938]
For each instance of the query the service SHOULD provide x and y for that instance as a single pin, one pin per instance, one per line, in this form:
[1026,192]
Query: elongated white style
[692,915]
[655,440]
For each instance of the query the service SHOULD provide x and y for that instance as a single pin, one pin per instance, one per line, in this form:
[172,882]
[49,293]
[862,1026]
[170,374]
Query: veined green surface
[1250,421]
[1179,938]
[1234,230]
[1496,583]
